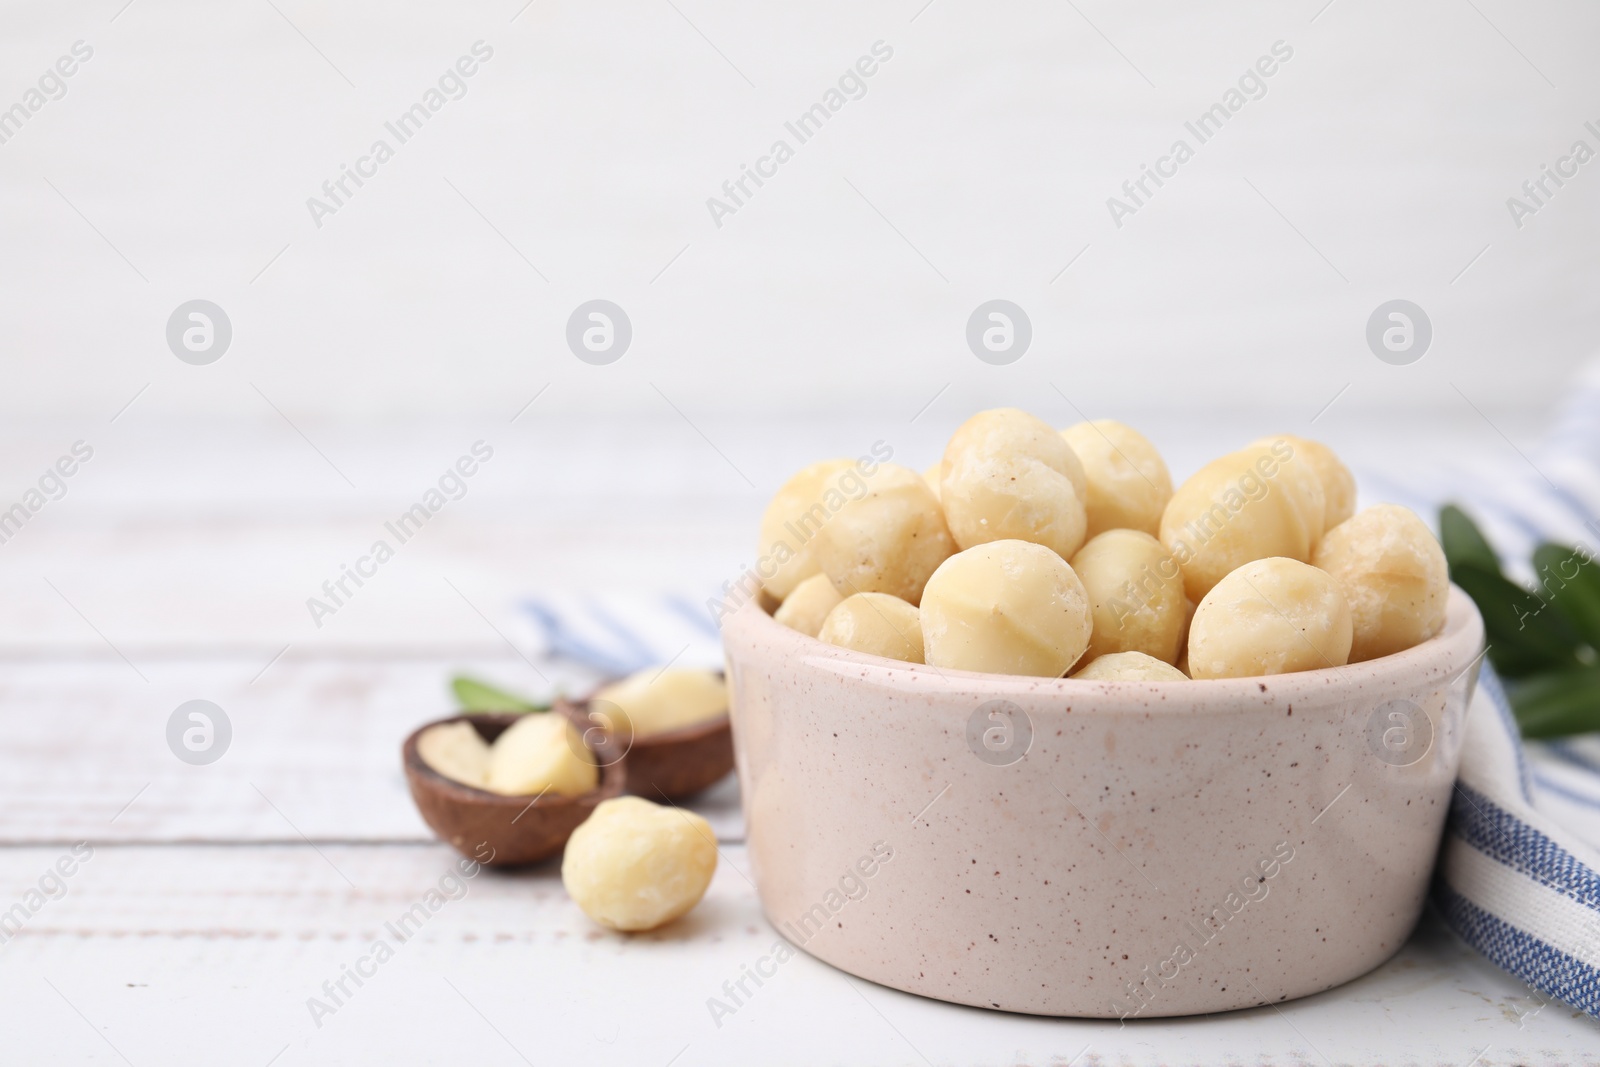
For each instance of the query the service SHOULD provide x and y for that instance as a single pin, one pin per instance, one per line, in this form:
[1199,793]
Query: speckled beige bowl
[1095,848]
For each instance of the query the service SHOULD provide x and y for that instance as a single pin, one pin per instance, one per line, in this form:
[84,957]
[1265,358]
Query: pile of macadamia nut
[1027,550]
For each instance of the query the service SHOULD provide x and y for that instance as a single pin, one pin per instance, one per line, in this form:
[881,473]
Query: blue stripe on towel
[639,653]
[1569,754]
[1550,785]
[563,642]
[697,617]
[1536,963]
[1503,837]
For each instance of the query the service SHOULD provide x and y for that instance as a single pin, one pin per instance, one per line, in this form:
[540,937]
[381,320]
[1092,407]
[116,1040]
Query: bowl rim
[1454,649]
[612,781]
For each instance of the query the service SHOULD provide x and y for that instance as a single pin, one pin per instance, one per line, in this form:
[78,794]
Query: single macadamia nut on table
[1130,667]
[877,624]
[1271,616]
[1006,607]
[656,701]
[541,752]
[634,865]
[1394,575]
[1128,483]
[887,540]
[806,607]
[1135,592]
[1011,476]
[455,750]
[1244,506]
[1338,484]
[790,524]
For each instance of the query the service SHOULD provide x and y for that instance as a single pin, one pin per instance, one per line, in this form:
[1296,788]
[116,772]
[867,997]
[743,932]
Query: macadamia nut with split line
[1271,616]
[1128,483]
[1011,476]
[1247,505]
[1006,607]
[634,865]
[790,524]
[1135,591]
[809,604]
[1395,576]
[1338,484]
[877,624]
[887,540]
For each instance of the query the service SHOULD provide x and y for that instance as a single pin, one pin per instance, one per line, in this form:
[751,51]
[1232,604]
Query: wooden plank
[161,546]
[169,954]
[314,754]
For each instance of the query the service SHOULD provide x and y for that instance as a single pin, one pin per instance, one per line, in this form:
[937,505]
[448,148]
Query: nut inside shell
[498,830]
[674,764]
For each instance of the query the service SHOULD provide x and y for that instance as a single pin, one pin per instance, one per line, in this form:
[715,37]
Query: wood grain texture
[181,955]
[315,751]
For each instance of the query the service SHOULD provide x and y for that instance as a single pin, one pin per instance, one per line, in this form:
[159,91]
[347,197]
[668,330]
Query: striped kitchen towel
[1519,874]
[615,634]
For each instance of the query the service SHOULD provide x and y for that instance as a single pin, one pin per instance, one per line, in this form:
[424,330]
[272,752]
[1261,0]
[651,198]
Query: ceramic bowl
[1102,849]
[497,830]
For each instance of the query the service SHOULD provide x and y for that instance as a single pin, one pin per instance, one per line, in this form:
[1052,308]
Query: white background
[990,141]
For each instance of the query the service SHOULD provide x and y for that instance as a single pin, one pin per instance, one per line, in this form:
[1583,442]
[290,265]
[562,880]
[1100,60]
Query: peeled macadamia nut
[634,865]
[889,539]
[1130,667]
[877,624]
[790,524]
[1128,483]
[1271,616]
[806,607]
[1010,476]
[656,701]
[1007,607]
[1135,591]
[1245,506]
[455,750]
[1338,484]
[1394,575]
[541,753]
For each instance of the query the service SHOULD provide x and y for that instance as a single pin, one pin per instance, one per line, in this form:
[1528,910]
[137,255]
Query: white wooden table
[219,899]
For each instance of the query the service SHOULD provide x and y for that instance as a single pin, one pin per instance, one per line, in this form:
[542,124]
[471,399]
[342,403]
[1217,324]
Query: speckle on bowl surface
[1099,849]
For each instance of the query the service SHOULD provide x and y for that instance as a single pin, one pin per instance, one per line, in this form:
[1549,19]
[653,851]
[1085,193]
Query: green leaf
[1464,544]
[1524,633]
[1571,581]
[474,695]
[1558,703]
